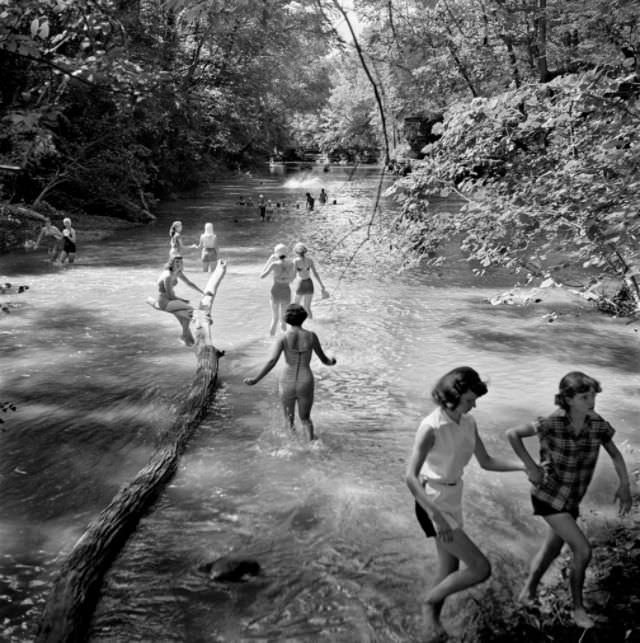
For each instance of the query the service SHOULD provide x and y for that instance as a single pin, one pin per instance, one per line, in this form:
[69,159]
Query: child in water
[445,441]
[570,440]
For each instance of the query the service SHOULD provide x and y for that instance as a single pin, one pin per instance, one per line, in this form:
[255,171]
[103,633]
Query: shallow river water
[97,374]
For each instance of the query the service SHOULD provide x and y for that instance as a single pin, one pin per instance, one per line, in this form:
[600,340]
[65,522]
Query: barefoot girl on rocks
[570,440]
[296,382]
[445,441]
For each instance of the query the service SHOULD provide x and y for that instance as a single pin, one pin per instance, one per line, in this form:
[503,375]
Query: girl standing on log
[296,382]
[445,441]
[175,239]
[170,302]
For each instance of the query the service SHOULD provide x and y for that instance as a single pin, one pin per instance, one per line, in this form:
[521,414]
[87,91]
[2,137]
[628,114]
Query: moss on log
[70,605]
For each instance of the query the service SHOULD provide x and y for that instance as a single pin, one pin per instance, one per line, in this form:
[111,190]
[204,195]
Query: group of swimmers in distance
[570,439]
[61,245]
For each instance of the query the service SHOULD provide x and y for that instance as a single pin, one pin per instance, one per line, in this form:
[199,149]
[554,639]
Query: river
[96,375]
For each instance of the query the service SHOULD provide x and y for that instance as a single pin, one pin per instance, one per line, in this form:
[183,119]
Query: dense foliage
[106,105]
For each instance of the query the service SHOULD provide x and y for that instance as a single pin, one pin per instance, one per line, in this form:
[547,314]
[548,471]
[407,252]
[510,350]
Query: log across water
[69,608]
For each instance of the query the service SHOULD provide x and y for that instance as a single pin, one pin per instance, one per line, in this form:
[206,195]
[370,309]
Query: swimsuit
[209,254]
[69,245]
[296,379]
[305,287]
[280,292]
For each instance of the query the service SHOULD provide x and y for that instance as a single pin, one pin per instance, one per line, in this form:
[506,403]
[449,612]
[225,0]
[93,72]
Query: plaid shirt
[569,459]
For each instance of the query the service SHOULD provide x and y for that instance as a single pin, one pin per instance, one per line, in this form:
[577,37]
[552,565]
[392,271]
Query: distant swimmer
[304,266]
[170,302]
[296,382]
[283,274]
[52,236]
[310,201]
[68,242]
[262,207]
[323,197]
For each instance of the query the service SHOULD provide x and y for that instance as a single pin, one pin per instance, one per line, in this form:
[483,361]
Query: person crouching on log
[296,380]
[170,302]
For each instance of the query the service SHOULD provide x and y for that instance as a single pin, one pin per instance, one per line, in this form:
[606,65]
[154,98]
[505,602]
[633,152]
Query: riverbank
[612,590]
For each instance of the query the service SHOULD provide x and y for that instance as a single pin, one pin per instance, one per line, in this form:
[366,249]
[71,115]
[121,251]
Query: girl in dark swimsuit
[296,383]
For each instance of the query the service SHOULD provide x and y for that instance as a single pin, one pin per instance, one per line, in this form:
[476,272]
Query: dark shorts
[425,522]
[542,508]
[209,254]
[305,287]
[69,246]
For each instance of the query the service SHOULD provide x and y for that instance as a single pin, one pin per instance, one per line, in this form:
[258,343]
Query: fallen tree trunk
[69,608]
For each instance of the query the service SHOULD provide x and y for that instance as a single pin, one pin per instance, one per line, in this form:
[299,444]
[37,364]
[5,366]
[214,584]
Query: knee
[582,554]
[481,569]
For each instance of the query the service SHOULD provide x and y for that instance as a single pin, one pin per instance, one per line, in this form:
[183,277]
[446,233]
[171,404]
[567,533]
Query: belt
[441,482]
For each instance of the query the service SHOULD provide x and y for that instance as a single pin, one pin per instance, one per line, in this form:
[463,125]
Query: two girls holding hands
[569,443]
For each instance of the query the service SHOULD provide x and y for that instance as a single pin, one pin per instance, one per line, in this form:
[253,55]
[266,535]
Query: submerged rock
[231,569]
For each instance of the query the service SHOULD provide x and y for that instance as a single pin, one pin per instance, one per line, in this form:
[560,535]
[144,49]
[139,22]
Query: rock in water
[231,569]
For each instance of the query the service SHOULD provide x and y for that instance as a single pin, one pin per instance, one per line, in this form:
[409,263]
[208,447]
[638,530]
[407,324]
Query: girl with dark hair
[170,302]
[445,441]
[296,383]
[570,439]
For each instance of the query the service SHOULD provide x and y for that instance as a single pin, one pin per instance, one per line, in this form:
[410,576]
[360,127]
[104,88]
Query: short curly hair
[454,384]
[295,314]
[573,383]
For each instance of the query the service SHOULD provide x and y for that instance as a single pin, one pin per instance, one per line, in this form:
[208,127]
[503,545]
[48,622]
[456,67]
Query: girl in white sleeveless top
[445,441]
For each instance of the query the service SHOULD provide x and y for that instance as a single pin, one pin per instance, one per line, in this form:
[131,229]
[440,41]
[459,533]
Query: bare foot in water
[582,619]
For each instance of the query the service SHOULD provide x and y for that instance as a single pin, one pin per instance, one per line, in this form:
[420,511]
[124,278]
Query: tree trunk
[541,42]
[69,608]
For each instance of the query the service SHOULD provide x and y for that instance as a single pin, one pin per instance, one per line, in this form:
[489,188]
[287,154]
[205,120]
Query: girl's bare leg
[288,406]
[476,570]
[304,411]
[541,561]
[565,526]
[275,317]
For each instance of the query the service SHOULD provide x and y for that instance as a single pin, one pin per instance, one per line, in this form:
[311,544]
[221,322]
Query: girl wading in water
[445,441]
[296,382]
[304,267]
[283,274]
[570,440]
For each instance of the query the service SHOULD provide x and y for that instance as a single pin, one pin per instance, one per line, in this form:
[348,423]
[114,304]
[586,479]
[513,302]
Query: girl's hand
[623,494]
[250,380]
[536,476]
[445,533]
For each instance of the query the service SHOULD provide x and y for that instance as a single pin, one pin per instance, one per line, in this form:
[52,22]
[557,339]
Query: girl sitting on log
[170,302]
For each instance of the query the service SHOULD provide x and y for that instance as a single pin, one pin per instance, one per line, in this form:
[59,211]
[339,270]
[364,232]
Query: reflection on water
[97,375]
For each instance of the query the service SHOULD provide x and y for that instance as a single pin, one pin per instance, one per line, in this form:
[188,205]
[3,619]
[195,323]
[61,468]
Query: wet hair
[172,262]
[454,384]
[573,383]
[174,228]
[295,314]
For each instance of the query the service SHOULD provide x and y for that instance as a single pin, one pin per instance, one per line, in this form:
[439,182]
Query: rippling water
[97,374]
